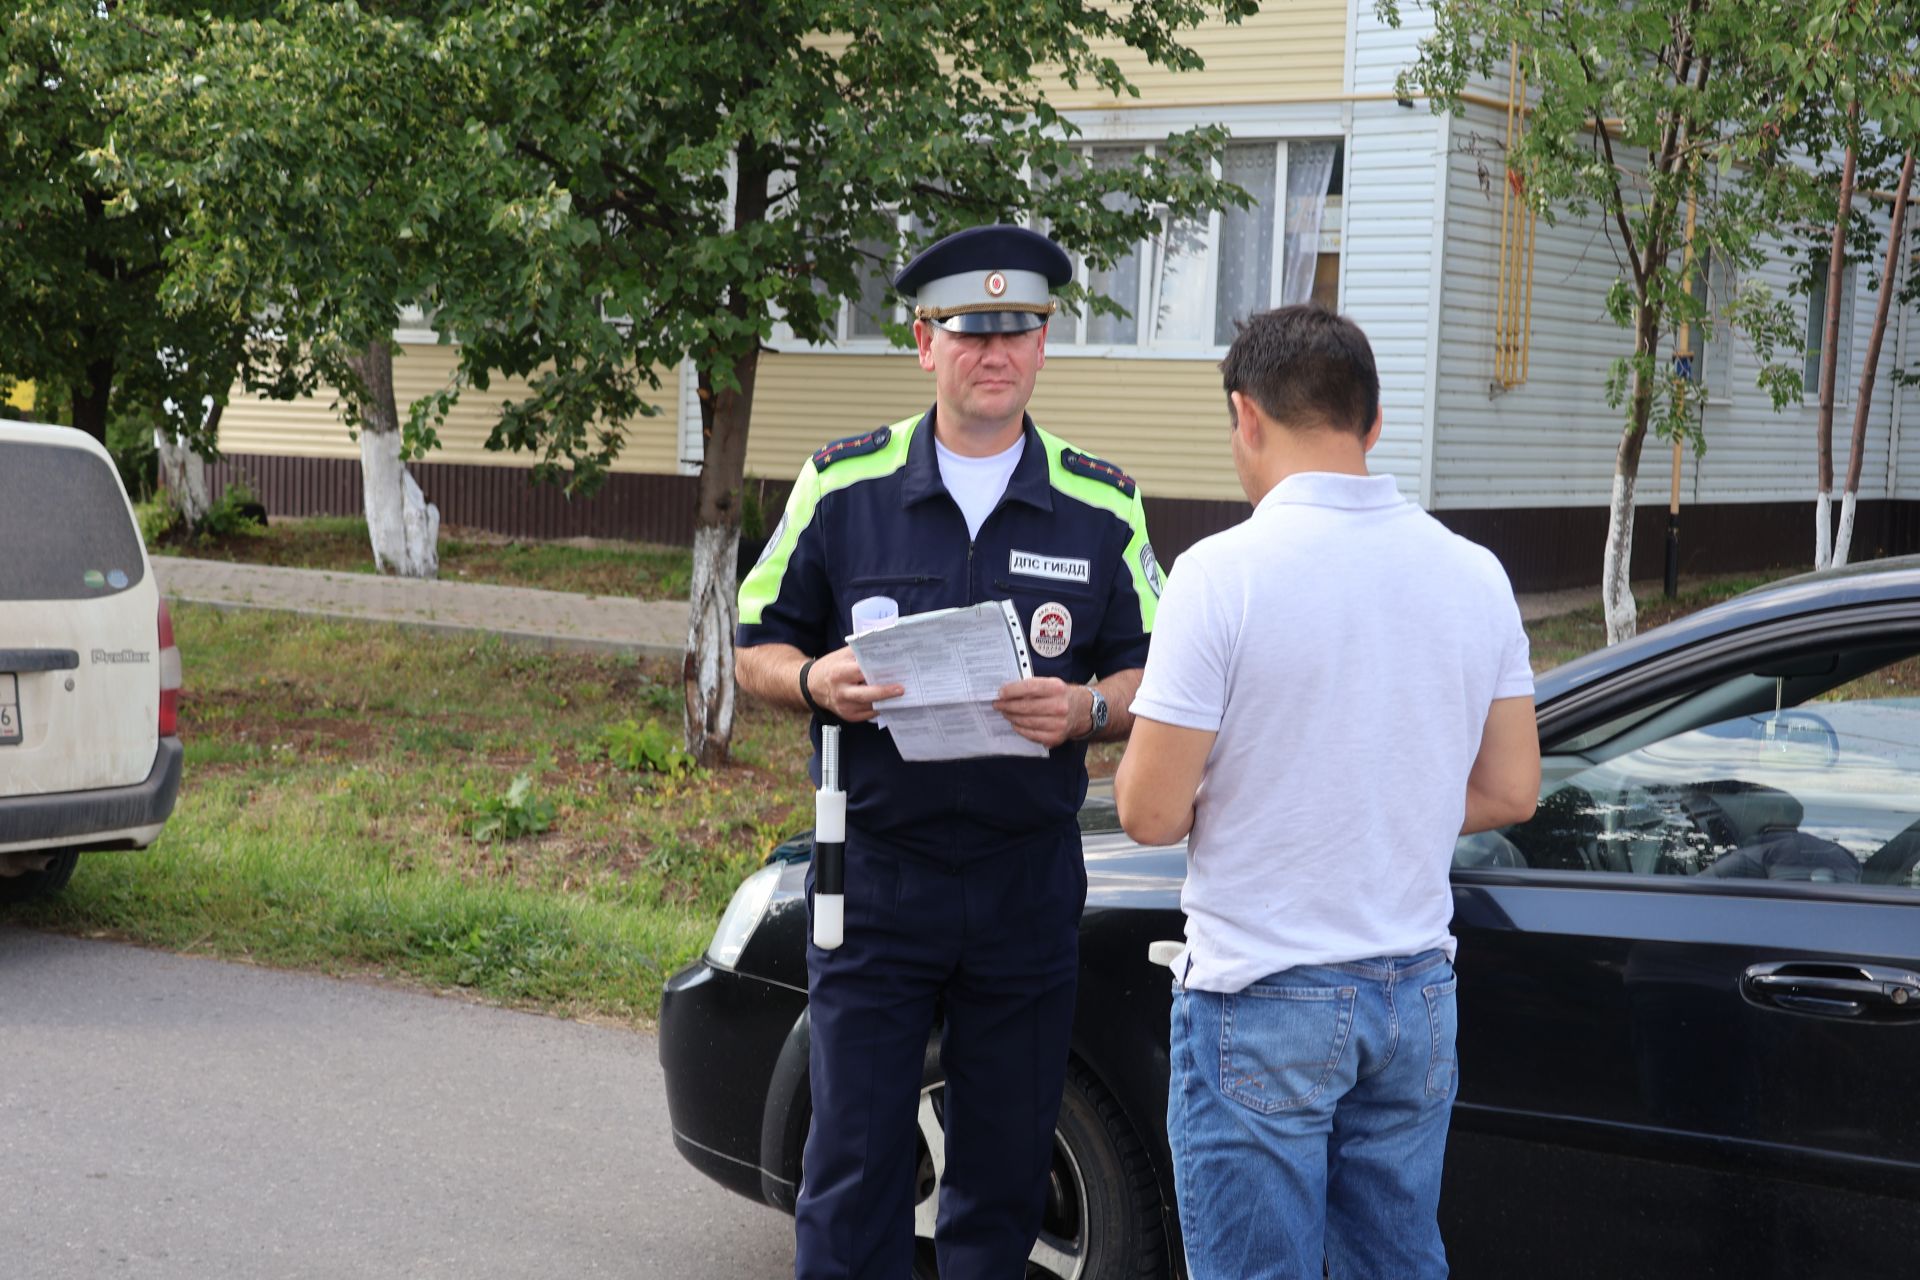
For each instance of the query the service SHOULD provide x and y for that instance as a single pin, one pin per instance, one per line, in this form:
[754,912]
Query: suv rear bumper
[111,818]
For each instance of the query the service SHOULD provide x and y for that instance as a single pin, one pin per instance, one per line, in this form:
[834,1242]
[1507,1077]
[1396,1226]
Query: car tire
[44,883]
[1103,1218]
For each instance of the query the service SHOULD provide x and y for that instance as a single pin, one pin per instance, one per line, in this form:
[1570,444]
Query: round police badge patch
[1052,630]
[996,285]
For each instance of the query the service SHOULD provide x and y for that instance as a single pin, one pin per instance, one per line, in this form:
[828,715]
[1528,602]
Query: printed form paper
[952,664]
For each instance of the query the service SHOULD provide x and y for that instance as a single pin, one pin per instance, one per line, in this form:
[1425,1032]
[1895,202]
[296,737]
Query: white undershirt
[977,483]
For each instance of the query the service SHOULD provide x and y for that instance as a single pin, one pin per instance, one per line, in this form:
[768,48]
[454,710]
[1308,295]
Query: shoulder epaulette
[852,447]
[1085,464]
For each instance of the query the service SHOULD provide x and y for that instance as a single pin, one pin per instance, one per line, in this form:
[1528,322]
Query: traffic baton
[829,846]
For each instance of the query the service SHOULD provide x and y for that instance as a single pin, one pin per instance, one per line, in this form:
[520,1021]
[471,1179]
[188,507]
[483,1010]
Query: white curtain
[1244,284]
[1309,171]
[1121,282]
[1180,286]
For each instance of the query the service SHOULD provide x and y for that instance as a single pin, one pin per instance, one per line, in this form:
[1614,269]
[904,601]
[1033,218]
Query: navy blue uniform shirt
[1067,544]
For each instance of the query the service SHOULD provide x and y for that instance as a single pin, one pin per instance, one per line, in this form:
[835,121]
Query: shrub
[130,441]
[638,748]
[235,511]
[509,817]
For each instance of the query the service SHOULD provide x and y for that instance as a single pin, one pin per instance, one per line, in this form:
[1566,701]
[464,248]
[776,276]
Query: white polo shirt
[1346,648]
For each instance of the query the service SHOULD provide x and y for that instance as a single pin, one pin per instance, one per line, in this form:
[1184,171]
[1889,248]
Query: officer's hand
[838,686]
[1043,709]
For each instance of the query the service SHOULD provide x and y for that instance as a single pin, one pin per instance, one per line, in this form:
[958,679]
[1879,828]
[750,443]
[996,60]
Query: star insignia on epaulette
[852,447]
[1085,464]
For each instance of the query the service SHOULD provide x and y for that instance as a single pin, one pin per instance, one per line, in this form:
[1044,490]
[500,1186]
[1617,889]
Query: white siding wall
[1552,440]
[1902,351]
[1395,221]
[1755,454]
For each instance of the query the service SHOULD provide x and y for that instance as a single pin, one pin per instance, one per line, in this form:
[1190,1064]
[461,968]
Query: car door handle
[1869,993]
[39,659]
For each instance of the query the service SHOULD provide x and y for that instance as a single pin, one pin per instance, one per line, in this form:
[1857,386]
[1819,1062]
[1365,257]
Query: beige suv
[89,676]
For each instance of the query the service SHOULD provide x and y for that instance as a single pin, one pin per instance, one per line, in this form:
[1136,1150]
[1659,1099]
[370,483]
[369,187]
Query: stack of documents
[952,664]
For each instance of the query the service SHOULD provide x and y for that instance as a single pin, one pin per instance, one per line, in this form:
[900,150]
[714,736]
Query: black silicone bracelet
[806,694]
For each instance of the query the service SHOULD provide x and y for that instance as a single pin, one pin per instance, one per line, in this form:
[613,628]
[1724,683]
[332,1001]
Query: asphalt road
[165,1116]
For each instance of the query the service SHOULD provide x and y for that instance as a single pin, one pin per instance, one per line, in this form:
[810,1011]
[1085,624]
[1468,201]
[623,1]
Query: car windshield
[64,529]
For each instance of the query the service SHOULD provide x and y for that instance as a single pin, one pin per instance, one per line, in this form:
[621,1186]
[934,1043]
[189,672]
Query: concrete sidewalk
[654,629]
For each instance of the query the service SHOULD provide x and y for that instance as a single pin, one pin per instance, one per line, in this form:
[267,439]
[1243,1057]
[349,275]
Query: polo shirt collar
[1331,489]
[1029,482]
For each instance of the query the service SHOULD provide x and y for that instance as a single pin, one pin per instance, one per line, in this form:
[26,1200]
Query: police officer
[964,880]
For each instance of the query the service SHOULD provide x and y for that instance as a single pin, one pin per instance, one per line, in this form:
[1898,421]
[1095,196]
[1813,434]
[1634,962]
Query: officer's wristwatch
[1097,714]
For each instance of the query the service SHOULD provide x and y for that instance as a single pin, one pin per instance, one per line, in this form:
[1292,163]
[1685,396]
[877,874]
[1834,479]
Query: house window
[1711,353]
[877,303]
[1187,285]
[1817,332]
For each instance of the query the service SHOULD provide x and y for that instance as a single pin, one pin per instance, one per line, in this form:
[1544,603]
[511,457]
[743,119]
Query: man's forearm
[1118,689]
[771,672]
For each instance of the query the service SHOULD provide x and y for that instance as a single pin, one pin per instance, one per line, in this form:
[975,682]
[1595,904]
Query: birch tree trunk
[714,608]
[1863,401]
[402,525]
[1829,360]
[1616,570]
[714,604]
[183,474]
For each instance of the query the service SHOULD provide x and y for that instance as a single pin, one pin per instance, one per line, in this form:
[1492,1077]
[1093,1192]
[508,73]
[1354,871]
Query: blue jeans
[1308,1117]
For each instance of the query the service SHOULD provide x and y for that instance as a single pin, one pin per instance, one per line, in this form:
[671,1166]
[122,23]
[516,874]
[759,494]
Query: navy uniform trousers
[992,943]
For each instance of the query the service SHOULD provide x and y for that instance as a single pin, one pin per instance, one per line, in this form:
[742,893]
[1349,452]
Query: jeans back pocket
[1443,1020]
[1279,1046]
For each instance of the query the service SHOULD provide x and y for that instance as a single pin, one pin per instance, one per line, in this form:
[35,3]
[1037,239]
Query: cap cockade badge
[996,284]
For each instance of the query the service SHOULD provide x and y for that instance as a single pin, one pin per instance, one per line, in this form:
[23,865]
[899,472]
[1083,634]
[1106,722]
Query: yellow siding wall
[1163,421]
[310,429]
[1291,51]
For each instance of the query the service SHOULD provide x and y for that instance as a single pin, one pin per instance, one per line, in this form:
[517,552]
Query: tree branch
[954,197]
[1618,205]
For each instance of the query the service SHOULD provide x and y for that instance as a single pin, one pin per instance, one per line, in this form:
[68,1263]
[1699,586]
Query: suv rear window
[64,529]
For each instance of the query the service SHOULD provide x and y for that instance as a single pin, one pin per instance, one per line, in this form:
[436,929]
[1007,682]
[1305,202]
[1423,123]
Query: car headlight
[743,916]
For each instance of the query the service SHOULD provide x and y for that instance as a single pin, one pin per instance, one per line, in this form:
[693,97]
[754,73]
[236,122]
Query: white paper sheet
[952,664]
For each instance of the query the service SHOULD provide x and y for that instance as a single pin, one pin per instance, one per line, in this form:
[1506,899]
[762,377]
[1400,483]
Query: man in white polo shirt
[1337,689]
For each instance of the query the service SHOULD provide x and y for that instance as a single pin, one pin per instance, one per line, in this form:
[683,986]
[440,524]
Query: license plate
[9,710]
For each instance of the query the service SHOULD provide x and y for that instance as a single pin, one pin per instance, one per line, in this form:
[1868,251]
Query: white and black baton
[829,846]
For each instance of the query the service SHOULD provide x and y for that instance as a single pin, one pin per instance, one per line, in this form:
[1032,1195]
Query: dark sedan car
[1689,1005]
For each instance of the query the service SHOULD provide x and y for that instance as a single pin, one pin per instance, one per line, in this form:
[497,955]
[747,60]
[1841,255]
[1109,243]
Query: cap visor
[993,322]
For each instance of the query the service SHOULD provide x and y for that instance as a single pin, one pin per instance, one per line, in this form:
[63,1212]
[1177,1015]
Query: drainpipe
[1893,427]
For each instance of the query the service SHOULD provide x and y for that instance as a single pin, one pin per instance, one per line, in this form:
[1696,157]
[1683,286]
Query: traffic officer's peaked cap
[986,280]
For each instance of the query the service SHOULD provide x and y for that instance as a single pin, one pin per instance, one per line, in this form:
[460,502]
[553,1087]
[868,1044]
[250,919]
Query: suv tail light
[169,677]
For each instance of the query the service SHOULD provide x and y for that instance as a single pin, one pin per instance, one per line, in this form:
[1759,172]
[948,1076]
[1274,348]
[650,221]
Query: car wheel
[1103,1217]
[43,883]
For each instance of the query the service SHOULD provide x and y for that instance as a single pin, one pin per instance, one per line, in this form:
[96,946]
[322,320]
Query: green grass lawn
[337,771]
[640,570]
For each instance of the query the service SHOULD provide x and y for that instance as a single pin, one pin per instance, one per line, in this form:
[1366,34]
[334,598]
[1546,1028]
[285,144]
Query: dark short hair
[1305,367]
